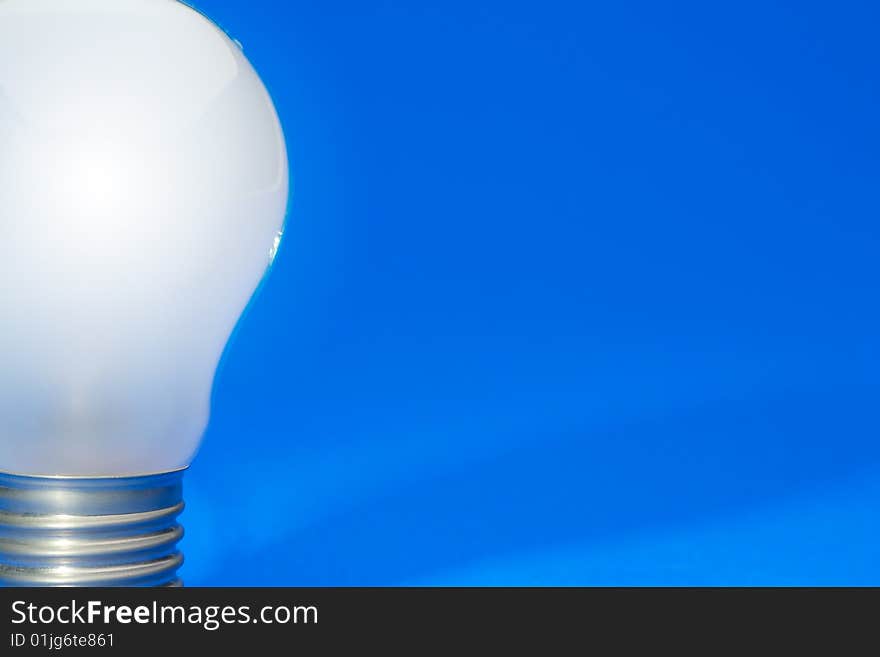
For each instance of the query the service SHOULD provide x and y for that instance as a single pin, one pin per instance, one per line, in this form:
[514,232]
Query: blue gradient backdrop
[571,293]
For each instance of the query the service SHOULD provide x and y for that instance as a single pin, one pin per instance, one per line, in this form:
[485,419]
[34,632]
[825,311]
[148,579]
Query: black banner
[126,621]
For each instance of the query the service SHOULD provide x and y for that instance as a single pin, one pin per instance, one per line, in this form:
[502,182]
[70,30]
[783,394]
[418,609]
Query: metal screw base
[71,531]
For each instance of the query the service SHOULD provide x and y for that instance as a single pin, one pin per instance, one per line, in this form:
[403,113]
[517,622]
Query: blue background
[571,293]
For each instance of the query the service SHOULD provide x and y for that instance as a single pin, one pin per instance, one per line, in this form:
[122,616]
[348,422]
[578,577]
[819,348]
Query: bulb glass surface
[143,189]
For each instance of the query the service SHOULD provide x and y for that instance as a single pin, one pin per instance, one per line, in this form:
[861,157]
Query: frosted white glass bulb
[143,189]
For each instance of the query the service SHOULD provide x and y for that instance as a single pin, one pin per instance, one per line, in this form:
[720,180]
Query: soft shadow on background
[570,294]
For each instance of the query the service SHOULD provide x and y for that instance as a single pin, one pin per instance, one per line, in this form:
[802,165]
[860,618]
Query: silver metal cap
[71,531]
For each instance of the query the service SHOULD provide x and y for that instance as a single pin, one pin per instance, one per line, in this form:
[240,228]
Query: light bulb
[143,190]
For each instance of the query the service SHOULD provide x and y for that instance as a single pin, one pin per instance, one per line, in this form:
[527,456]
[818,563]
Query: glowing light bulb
[143,189]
